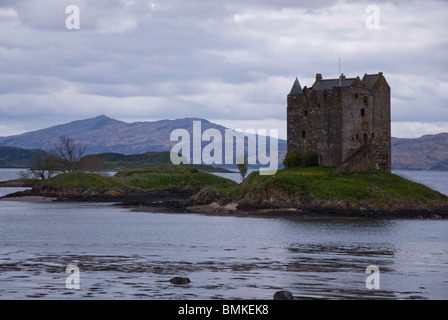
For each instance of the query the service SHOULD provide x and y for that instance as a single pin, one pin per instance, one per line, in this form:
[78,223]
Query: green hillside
[118,161]
[12,157]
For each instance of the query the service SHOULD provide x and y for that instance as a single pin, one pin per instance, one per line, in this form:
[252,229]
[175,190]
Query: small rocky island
[293,192]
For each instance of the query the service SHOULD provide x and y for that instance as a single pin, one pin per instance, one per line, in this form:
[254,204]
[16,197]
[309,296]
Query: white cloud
[117,24]
[261,124]
[9,18]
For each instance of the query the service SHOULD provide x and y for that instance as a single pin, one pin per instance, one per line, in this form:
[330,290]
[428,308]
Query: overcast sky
[231,62]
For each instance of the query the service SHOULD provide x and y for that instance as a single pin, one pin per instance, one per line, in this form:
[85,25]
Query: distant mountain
[429,152]
[105,135]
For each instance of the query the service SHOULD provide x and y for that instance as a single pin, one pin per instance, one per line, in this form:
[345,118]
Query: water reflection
[132,255]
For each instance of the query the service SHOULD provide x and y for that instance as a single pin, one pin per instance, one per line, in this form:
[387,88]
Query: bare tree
[69,154]
[92,164]
[44,166]
[66,156]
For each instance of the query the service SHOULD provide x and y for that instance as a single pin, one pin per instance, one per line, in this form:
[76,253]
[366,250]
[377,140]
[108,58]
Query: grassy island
[316,191]
[296,191]
[150,178]
[376,187]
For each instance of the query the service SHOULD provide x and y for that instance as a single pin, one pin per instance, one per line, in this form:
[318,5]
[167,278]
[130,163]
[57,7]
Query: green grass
[12,157]
[82,180]
[378,187]
[160,177]
[167,176]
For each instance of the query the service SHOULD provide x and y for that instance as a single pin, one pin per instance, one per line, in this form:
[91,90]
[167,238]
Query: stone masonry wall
[337,123]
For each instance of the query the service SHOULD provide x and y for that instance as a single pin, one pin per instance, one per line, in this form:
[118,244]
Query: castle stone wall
[337,121]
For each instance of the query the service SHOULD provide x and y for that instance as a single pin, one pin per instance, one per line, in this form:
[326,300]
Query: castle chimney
[318,76]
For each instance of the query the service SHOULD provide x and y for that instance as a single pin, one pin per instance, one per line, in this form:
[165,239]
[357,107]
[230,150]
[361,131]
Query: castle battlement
[336,117]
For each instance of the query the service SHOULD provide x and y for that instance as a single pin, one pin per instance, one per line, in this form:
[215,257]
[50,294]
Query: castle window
[303,135]
[325,97]
[373,135]
[356,96]
[357,137]
[363,112]
[306,113]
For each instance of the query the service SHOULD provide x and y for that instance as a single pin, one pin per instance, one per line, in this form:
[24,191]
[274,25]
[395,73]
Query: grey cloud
[94,15]
[190,58]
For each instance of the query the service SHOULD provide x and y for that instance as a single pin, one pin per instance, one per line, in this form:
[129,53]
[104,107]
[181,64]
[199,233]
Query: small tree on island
[241,164]
[66,156]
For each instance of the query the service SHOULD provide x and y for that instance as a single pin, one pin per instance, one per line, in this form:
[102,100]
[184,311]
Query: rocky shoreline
[17,183]
[270,203]
[235,209]
[125,196]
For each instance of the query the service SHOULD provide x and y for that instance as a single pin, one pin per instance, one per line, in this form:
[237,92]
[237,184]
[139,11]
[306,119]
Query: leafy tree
[295,159]
[292,159]
[310,159]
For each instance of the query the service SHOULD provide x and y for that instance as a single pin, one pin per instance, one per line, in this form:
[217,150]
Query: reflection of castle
[346,121]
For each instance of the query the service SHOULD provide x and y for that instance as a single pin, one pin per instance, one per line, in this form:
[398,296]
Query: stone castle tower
[346,121]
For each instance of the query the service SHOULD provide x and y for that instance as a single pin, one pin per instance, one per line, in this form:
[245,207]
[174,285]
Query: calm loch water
[121,254]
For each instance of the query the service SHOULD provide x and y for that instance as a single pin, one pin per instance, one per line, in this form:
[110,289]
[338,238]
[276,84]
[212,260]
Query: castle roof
[369,79]
[328,84]
[296,88]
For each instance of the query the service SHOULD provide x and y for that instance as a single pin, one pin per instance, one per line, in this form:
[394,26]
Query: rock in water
[179,280]
[283,295]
